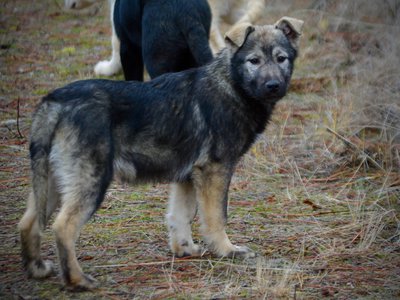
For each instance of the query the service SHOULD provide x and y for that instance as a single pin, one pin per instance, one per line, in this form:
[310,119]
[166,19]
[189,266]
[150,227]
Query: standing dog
[165,36]
[188,128]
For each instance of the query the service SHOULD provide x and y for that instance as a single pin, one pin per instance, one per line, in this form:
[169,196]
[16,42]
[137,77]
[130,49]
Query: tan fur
[226,10]
[291,25]
[238,33]
[211,183]
[66,228]
[30,237]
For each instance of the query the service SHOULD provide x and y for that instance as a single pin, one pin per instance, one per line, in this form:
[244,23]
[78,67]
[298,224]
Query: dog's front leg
[182,208]
[212,183]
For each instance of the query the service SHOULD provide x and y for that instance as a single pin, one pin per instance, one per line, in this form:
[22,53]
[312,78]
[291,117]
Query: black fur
[163,35]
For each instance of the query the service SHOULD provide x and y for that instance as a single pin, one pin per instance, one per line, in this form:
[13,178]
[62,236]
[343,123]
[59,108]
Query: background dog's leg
[216,38]
[197,39]
[132,61]
[255,10]
[113,66]
[182,208]
[212,183]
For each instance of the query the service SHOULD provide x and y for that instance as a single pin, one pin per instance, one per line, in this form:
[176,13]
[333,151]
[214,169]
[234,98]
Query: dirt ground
[317,197]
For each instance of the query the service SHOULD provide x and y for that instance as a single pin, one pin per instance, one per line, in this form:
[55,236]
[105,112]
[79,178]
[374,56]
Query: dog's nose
[272,86]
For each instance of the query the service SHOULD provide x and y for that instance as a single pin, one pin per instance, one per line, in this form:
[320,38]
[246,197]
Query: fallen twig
[18,130]
[355,148]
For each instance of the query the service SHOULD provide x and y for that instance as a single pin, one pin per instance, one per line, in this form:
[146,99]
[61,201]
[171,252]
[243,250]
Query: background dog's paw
[106,68]
[241,252]
[40,269]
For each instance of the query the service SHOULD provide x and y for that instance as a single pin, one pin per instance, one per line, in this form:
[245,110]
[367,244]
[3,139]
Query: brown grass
[317,196]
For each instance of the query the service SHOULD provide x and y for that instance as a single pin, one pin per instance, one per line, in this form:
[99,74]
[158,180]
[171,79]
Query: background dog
[165,36]
[189,128]
[223,11]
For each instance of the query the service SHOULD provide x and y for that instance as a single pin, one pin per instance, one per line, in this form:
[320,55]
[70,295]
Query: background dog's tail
[34,220]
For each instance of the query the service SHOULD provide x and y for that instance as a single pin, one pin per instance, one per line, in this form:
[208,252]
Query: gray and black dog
[188,128]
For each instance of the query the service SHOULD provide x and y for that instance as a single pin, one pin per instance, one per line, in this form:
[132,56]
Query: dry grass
[317,196]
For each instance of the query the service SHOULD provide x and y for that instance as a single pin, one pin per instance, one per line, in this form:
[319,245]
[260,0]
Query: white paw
[41,269]
[236,252]
[241,252]
[106,68]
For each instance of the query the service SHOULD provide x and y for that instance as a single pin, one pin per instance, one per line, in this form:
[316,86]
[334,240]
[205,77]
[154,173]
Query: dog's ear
[292,28]
[237,35]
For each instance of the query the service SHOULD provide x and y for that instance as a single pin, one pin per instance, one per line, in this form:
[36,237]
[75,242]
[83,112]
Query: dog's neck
[219,72]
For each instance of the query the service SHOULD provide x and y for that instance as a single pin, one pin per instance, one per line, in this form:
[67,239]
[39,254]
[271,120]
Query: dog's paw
[185,248]
[85,283]
[241,252]
[40,269]
[106,68]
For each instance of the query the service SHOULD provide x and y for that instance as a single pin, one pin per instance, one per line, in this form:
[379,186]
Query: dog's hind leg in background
[112,66]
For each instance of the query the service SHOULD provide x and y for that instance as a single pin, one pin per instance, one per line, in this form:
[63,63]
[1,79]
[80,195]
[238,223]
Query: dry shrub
[369,29]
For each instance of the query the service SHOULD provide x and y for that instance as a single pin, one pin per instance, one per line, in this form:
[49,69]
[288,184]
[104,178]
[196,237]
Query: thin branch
[18,115]
[355,148]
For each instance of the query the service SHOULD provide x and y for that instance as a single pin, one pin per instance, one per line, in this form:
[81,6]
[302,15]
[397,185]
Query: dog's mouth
[273,90]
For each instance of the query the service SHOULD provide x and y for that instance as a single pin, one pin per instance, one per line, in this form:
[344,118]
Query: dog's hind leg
[72,217]
[80,200]
[132,61]
[83,172]
[212,183]
[182,209]
[42,201]
[112,66]
[30,231]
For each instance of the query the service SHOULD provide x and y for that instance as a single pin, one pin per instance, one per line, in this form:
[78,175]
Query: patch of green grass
[40,92]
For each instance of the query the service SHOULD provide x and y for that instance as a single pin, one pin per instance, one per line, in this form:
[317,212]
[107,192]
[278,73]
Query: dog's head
[262,57]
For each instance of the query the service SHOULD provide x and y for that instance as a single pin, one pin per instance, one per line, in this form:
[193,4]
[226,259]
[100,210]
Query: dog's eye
[281,58]
[254,60]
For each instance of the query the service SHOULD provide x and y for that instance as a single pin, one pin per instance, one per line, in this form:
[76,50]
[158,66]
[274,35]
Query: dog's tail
[34,220]
[44,123]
